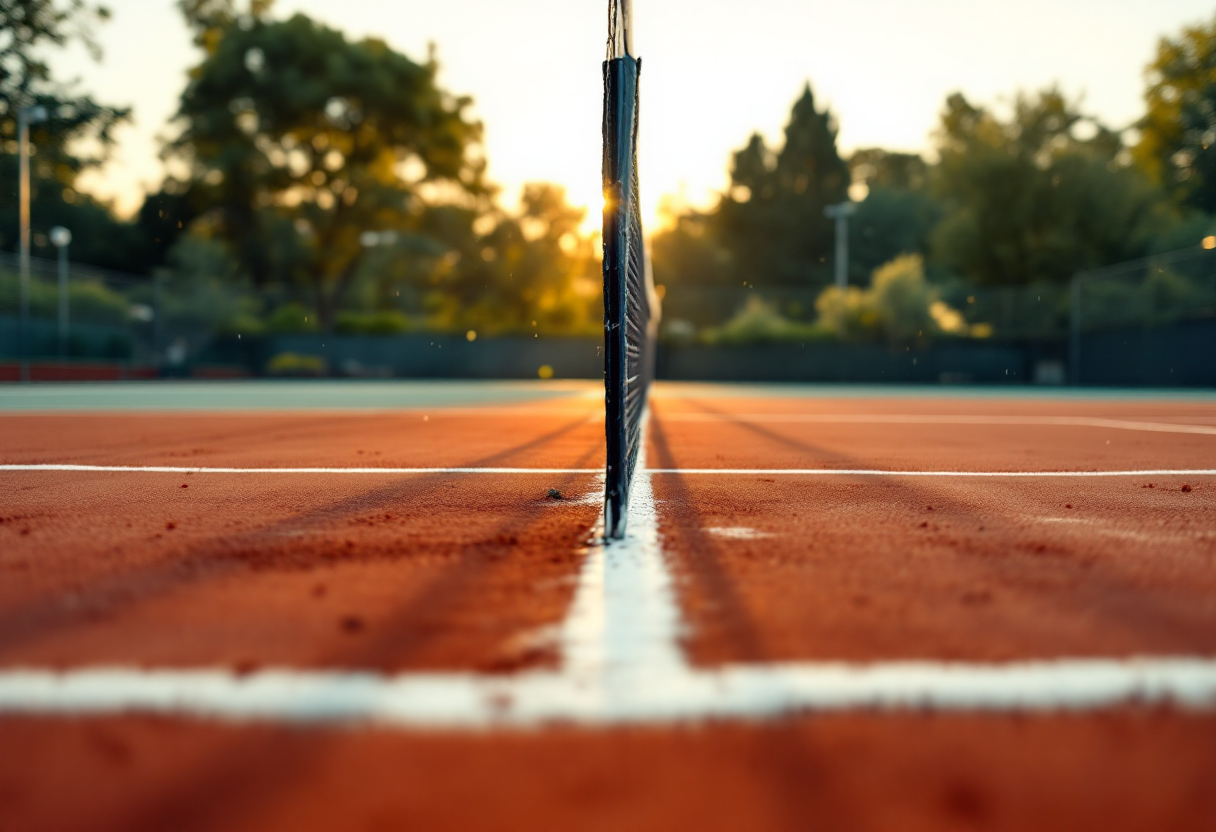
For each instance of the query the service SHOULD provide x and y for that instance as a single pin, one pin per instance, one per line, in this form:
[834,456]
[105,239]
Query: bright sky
[713,72]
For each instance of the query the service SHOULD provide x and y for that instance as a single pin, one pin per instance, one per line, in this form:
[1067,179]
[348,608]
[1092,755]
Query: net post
[620,28]
[630,303]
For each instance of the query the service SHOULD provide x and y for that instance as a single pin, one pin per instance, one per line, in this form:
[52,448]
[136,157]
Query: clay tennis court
[385,606]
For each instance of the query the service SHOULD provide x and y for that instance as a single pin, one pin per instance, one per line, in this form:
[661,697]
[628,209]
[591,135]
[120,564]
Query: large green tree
[897,215]
[1178,133]
[877,167]
[767,230]
[532,271]
[299,140]
[771,222]
[1038,196]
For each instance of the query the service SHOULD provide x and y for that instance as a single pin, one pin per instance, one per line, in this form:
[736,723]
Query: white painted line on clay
[867,472]
[176,469]
[621,664]
[737,532]
[877,472]
[405,412]
[911,419]
[575,695]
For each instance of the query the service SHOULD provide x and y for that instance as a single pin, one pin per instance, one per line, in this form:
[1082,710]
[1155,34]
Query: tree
[900,305]
[299,140]
[1032,199]
[876,167]
[533,272]
[769,227]
[28,26]
[771,221]
[1177,144]
[896,216]
[28,30]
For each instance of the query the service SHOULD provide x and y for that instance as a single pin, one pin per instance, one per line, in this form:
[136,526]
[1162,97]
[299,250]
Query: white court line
[406,412]
[621,663]
[172,469]
[863,472]
[470,701]
[901,419]
[877,472]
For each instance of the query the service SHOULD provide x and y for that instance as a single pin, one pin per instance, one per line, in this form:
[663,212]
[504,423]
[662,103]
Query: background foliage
[327,184]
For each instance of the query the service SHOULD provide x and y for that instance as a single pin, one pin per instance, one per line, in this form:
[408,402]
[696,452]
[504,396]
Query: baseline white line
[878,472]
[469,701]
[171,469]
[408,411]
[869,472]
[899,419]
[621,664]
[624,624]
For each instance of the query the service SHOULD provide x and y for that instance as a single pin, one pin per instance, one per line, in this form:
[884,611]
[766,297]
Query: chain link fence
[1155,291]
[1158,313]
[1115,307]
[74,313]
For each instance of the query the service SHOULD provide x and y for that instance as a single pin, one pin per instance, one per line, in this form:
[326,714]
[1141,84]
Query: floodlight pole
[841,212]
[61,238]
[26,116]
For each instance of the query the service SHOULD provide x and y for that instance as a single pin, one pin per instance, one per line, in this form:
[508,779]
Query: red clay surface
[465,572]
[558,436]
[390,572]
[722,436]
[869,568]
[1112,771]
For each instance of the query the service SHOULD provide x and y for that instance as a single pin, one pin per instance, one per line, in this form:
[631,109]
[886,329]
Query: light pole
[26,116]
[841,212]
[61,238]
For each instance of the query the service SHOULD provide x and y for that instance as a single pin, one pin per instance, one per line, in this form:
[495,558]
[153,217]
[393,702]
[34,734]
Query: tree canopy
[1178,132]
[298,140]
[769,227]
[336,184]
[29,31]
[771,221]
[1039,196]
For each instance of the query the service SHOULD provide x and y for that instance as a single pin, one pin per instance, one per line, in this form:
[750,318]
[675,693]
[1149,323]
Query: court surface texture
[323,605]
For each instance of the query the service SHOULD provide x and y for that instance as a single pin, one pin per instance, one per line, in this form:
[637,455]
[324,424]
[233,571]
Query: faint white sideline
[178,469]
[877,472]
[621,663]
[927,419]
[856,472]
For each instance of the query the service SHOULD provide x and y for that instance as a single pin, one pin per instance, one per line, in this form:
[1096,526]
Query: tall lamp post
[61,238]
[841,212]
[25,117]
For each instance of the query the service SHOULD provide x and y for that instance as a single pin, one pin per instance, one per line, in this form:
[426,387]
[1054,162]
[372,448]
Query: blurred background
[945,193]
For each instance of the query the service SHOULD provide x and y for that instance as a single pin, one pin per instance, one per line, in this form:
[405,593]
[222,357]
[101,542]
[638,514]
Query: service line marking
[465,701]
[174,469]
[405,413]
[878,472]
[621,663]
[857,472]
[902,419]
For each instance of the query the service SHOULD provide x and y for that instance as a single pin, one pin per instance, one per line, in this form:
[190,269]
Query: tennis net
[630,304]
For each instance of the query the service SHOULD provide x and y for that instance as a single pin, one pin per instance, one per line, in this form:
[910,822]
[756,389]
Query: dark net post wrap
[630,304]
